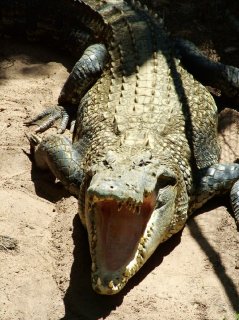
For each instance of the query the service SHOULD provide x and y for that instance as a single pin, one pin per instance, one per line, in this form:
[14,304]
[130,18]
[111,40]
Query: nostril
[112,187]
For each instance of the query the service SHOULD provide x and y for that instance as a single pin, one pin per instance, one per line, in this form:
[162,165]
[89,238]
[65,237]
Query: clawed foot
[34,141]
[48,117]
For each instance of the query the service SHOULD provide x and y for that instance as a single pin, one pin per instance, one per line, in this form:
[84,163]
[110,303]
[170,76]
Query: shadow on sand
[81,302]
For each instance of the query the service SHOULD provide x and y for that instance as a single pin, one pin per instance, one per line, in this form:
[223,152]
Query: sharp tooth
[94,279]
[120,206]
[99,282]
[127,273]
[111,284]
[138,210]
[123,280]
[94,237]
[139,259]
[142,253]
[142,241]
[140,247]
[93,267]
[133,270]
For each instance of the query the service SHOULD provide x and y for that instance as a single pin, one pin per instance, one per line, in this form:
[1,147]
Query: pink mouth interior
[119,231]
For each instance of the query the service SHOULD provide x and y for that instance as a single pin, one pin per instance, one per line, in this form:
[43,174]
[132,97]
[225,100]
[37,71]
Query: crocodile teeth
[93,267]
[142,241]
[99,282]
[123,280]
[127,273]
[138,210]
[140,248]
[111,284]
[139,259]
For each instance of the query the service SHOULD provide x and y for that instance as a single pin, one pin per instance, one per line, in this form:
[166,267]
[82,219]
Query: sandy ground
[194,275]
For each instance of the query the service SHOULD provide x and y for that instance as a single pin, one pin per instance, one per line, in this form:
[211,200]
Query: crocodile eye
[164,181]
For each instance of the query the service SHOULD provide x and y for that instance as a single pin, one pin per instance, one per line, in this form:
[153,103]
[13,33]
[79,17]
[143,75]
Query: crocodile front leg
[218,179]
[58,154]
[83,75]
[234,195]
[215,74]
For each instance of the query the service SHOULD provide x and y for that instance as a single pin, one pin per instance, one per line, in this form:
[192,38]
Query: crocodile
[144,153]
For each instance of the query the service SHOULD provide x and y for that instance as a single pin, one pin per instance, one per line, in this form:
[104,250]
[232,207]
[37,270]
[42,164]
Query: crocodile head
[129,211]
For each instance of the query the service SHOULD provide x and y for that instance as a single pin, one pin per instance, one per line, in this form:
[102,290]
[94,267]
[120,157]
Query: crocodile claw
[33,139]
[72,127]
[48,117]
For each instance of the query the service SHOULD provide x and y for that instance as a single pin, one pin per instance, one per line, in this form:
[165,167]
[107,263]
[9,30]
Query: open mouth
[117,229]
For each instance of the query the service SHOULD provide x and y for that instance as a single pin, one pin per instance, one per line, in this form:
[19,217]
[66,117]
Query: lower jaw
[103,286]
[110,289]
[111,282]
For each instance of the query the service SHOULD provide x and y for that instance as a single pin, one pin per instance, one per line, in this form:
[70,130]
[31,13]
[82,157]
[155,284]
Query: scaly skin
[144,152]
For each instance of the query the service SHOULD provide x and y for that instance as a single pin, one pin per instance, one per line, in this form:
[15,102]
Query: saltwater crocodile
[144,153]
